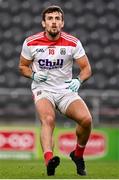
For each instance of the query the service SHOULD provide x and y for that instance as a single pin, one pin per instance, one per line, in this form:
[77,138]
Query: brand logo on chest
[40,50]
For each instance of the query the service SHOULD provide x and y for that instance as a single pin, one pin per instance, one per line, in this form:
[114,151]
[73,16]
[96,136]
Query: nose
[54,21]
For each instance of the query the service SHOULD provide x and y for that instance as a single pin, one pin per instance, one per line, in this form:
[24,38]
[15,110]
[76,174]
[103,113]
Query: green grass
[18,169]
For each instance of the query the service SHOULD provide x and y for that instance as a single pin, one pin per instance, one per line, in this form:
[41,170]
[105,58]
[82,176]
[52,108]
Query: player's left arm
[85,73]
[85,68]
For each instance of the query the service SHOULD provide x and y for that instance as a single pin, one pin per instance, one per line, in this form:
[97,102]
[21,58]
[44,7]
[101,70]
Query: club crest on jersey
[62,51]
[50,64]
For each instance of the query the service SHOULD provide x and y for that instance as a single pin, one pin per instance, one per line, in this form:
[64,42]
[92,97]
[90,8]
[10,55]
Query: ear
[62,24]
[43,24]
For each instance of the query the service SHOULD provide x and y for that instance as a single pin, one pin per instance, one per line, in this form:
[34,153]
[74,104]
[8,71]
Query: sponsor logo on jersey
[40,50]
[62,51]
[50,64]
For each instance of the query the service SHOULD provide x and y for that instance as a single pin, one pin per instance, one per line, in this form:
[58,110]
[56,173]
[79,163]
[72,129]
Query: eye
[57,18]
[49,18]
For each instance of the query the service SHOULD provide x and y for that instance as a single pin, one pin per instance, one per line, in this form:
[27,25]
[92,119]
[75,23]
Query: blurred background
[95,23]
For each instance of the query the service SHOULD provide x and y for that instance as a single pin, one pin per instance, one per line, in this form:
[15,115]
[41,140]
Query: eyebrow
[56,17]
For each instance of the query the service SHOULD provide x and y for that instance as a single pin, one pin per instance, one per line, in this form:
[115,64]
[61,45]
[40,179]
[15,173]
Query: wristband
[32,75]
[81,81]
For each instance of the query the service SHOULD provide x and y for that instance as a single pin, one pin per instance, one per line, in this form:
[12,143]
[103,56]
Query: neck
[51,37]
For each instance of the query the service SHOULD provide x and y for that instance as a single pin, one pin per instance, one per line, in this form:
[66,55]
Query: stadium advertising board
[17,144]
[96,145]
[24,143]
[102,143]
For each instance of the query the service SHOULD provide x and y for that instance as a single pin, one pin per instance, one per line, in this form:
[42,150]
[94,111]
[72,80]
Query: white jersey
[54,58]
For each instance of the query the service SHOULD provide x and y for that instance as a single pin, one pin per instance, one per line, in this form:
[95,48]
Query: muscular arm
[85,67]
[24,67]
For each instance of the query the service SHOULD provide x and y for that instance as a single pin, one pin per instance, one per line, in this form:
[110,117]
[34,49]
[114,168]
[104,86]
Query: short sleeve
[78,51]
[26,53]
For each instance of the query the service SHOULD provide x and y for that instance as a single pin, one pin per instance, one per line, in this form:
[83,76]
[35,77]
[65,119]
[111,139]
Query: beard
[53,34]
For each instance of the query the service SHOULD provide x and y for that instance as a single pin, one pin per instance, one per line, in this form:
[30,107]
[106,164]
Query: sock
[47,156]
[79,150]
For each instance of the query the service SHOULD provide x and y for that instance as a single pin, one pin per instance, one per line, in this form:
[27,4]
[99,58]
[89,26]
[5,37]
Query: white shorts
[59,100]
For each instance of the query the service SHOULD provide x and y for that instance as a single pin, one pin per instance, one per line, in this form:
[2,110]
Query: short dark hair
[51,9]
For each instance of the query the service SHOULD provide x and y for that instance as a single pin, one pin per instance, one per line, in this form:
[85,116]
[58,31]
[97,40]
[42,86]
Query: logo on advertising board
[95,147]
[66,143]
[18,140]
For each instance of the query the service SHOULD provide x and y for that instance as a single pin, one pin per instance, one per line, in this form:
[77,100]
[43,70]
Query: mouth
[54,27]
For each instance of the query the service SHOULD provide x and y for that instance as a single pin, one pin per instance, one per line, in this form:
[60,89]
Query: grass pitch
[21,169]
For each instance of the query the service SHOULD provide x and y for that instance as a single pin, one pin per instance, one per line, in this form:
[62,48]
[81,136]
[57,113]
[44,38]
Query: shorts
[59,100]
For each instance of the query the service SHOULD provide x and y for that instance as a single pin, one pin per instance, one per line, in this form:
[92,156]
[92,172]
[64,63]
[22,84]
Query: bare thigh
[45,109]
[78,111]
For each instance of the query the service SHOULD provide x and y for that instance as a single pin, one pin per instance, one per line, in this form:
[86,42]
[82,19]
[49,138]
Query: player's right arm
[26,60]
[24,67]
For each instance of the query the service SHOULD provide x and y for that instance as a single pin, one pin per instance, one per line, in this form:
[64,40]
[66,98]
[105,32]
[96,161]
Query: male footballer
[47,58]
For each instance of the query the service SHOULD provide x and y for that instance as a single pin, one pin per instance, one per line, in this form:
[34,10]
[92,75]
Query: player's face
[53,23]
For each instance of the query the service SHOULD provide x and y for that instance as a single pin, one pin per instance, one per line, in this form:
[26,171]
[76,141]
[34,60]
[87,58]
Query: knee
[87,121]
[48,121]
